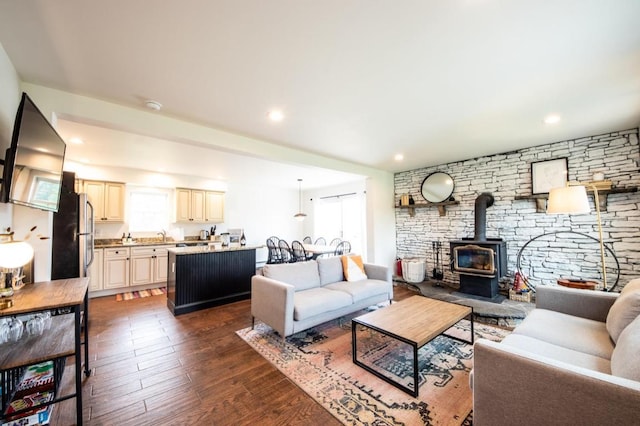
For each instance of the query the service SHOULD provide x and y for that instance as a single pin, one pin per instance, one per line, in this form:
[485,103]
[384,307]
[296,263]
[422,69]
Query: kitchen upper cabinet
[199,206]
[214,207]
[107,199]
[116,268]
[96,271]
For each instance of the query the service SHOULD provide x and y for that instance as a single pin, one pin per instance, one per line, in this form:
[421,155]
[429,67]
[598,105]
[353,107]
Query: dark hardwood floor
[149,367]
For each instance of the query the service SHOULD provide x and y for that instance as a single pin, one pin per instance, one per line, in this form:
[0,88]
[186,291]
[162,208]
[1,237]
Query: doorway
[341,216]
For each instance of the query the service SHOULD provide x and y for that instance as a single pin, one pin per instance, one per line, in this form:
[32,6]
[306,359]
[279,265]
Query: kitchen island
[201,277]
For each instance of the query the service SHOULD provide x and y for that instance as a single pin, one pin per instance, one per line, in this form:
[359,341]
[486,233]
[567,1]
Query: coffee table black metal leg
[415,371]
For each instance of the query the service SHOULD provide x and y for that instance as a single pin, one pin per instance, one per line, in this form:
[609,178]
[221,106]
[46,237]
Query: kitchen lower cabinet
[116,268]
[200,278]
[96,271]
[148,265]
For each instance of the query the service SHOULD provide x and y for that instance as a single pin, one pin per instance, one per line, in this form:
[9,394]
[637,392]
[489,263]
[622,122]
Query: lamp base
[6,292]
[5,303]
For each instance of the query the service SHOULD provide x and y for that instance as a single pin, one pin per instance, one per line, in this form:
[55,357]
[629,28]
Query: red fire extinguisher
[398,267]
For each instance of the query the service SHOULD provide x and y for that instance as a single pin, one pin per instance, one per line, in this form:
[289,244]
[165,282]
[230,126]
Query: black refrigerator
[73,230]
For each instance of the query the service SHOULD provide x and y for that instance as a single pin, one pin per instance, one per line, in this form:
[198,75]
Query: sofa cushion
[624,360]
[330,269]
[632,285]
[625,309]
[567,331]
[315,301]
[558,353]
[301,275]
[360,290]
[353,268]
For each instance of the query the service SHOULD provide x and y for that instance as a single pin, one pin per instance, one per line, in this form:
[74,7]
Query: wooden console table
[68,298]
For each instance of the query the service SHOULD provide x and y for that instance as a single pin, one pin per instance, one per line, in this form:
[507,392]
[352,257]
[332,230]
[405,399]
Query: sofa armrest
[377,272]
[512,386]
[272,303]
[590,304]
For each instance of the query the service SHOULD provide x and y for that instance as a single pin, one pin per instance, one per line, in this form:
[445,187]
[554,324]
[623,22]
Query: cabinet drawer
[116,252]
[149,251]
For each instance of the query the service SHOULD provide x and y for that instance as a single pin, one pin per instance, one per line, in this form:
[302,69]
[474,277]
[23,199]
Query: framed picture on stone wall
[548,174]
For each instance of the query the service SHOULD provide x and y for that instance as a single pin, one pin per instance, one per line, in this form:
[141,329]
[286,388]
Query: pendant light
[300,216]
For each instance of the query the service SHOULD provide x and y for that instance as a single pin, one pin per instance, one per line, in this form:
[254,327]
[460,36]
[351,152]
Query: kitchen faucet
[164,235]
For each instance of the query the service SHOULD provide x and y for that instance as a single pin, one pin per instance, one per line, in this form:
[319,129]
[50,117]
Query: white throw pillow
[624,359]
[625,309]
[353,268]
[631,286]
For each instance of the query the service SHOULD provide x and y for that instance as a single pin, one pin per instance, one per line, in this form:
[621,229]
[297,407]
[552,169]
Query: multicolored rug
[319,361]
[142,293]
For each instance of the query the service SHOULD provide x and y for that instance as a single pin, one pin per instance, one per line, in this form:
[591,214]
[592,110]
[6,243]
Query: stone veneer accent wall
[508,175]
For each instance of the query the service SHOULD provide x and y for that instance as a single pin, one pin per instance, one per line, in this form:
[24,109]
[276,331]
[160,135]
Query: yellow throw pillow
[353,268]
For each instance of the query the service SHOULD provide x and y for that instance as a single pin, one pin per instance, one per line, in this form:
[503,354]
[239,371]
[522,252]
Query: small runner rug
[142,293]
[319,361]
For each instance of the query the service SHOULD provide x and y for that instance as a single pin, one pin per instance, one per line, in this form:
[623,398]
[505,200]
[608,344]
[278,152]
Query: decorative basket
[520,297]
[413,270]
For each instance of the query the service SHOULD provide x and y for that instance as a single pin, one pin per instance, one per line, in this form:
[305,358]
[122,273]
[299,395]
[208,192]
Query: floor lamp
[572,199]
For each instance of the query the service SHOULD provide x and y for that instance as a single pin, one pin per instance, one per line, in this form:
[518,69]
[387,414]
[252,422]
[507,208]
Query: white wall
[9,100]
[20,219]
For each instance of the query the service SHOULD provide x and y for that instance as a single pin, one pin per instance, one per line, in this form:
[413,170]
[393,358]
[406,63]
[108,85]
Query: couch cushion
[353,268]
[301,275]
[360,290]
[632,285]
[624,360]
[315,301]
[568,331]
[625,309]
[330,270]
[558,353]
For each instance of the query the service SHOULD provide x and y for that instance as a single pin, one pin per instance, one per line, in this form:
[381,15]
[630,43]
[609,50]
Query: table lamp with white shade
[13,256]
[572,199]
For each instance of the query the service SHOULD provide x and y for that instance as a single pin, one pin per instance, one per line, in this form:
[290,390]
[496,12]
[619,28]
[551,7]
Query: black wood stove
[480,261]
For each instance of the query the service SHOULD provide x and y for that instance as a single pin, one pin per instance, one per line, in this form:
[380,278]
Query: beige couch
[292,297]
[574,360]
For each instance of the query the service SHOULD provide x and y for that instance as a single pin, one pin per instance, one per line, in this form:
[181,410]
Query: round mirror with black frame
[437,187]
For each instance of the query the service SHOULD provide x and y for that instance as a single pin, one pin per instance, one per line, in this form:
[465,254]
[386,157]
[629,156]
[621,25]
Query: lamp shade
[15,254]
[568,200]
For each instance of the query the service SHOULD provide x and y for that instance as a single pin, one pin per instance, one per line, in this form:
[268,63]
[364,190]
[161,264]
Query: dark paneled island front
[201,277]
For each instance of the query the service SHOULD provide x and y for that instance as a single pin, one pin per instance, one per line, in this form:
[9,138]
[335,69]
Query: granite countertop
[111,243]
[209,249]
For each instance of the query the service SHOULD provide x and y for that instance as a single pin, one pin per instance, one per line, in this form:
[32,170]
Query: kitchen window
[149,209]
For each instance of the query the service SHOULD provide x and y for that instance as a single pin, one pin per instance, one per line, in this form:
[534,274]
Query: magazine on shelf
[36,378]
[30,417]
[35,389]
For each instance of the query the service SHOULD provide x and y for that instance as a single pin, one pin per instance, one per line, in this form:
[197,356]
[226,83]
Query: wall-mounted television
[32,172]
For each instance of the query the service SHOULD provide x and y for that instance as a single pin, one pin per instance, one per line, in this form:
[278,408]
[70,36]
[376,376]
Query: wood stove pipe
[483,201]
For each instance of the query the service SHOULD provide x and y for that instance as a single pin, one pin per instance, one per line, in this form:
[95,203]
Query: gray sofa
[575,359]
[295,296]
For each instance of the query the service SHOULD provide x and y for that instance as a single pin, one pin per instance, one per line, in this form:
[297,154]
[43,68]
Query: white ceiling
[358,80]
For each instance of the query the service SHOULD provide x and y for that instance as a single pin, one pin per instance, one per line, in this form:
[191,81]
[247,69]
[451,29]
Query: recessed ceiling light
[76,141]
[398,157]
[552,119]
[276,115]
[154,105]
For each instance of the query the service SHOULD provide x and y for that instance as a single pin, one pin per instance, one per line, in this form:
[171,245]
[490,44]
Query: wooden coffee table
[415,321]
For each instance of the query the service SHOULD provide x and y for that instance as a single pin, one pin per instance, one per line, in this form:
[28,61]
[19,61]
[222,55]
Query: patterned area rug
[319,361]
[142,293]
